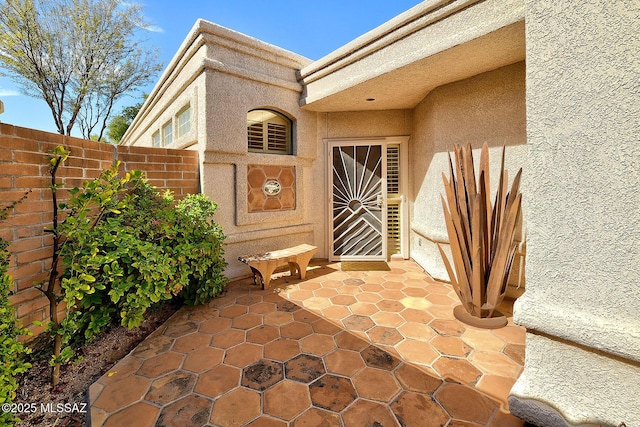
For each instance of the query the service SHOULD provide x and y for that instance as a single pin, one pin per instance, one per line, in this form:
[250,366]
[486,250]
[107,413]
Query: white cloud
[153,28]
[8,92]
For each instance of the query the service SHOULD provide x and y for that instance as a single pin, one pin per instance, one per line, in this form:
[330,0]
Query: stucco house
[346,153]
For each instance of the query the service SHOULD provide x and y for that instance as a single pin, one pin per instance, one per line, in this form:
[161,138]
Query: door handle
[380,201]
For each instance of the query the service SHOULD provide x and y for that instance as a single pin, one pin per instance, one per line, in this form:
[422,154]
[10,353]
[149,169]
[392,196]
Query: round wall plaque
[272,188]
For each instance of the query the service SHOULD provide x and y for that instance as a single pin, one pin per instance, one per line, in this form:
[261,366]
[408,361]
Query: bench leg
[293,268]
[303,263]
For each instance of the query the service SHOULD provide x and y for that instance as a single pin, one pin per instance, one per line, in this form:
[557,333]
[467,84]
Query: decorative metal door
[357,199]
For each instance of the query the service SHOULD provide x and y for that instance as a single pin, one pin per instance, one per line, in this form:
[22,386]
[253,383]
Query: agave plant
[481,235]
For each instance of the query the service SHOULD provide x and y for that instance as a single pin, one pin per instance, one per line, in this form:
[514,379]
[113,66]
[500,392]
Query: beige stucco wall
[490,108]
[581,206]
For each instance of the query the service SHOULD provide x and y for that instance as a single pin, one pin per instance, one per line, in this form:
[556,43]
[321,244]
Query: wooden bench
[263,265]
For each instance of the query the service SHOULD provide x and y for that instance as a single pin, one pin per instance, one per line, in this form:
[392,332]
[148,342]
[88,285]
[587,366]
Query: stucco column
[582,206]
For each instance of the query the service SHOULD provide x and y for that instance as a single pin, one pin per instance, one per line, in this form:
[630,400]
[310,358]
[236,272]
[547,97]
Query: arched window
[268,132]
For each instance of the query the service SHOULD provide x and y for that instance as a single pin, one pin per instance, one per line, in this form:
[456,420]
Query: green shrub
[11,350]
[141,249]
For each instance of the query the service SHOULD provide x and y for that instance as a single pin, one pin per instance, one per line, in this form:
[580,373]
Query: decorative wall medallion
[272,188]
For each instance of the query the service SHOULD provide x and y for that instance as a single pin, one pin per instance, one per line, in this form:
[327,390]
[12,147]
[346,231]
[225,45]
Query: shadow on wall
[489,107]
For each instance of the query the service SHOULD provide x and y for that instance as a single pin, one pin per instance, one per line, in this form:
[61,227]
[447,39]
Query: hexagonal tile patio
[338,349]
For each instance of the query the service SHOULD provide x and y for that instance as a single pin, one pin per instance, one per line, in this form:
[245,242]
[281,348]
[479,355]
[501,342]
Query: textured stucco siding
[581,207]
[485,108]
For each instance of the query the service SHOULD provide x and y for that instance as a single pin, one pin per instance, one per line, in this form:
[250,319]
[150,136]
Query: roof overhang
[400,62]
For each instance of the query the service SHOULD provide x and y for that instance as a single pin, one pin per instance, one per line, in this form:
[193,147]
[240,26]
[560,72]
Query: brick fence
[23,167]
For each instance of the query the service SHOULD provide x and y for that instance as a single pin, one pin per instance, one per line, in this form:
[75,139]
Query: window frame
[261,129]
[167,138]
[180,127]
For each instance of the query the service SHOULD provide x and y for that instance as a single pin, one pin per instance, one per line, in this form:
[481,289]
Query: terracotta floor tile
[417,351]
[304,368]
[236,408]
[344,362]
[262,308]
[464,403]
[138,414]
[203,359]
[515,352]
[495,386]
[332,392]
[160,364]
[419,292]
[217,381]
[281,349]
[415,315]
[316,417]
[482,339]
[354,281]
[296,330]
[228,338]
[190,411]
[121,393]
[447,327]
[325,292]
[392,295]
[243,355]
[153,346]
[350,341]
[375,357]
[262,375]
[263,334]
[390,284]
[457,369]
[357,322]
[415,303]
[511,334]
[191,342]
[384,318]
[366,413]
[375,384]
[278,318]
[417,331]
[215,325]
[278,400]
[247,321]
[415,379]
[170,387]
[450,346]
[336,312]
[317,344]
[323,326]
[300,294]
[385,335]
[370,286]
[343,299]
[418,410]
[266,421]
[234,311]
[268,339]
[368,297]
[494,363]
[175,329]
[123,369]
[364,308]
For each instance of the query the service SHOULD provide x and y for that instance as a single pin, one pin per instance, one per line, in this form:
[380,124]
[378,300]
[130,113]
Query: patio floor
[375,348]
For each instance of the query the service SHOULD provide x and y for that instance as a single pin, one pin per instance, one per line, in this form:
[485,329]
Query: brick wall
[23,167]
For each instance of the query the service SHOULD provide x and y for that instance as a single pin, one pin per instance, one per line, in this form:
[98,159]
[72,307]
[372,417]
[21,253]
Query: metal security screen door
[357,201]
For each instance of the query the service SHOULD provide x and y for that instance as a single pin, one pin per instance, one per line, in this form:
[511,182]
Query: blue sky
[311,28]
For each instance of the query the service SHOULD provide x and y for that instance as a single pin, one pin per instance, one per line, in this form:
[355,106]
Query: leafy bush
[11,350]
[128,247]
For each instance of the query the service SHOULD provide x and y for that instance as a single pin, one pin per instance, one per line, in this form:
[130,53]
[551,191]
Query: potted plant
[481,236]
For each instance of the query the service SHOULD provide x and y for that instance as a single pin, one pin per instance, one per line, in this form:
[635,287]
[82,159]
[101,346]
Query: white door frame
[402,141]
